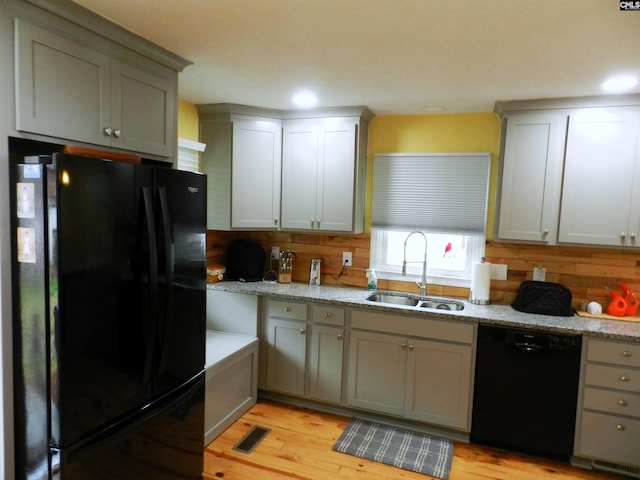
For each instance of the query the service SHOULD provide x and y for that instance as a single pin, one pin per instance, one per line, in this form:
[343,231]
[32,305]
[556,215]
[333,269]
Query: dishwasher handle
[528,347]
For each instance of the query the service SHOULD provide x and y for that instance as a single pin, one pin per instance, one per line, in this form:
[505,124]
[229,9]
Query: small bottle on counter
[372,280]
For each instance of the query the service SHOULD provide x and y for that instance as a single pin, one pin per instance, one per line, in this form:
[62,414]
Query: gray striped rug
[394,446]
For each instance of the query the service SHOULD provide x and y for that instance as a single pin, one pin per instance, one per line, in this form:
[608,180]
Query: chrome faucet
[423,283]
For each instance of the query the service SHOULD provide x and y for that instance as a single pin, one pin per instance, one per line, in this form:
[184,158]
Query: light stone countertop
[502,315]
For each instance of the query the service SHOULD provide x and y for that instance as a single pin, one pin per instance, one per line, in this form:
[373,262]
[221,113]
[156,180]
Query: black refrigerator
[109,278]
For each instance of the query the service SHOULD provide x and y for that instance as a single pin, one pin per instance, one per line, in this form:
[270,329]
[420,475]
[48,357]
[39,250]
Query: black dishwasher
[526,389]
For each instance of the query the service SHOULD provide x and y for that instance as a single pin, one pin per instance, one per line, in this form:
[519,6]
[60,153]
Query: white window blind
[189,155]
[439,192]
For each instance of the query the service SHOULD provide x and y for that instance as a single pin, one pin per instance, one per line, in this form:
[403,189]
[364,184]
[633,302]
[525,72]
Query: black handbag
[545,298]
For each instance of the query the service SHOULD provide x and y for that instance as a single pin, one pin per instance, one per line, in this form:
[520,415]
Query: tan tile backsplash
[584,270]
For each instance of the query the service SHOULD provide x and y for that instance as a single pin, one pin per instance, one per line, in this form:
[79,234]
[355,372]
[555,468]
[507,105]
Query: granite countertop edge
[496,314]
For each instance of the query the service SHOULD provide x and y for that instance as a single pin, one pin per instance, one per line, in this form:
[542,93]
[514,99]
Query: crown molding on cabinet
[502,107]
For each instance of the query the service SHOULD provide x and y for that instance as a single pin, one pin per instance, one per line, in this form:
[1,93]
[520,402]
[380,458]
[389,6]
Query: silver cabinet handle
[626,353]
[116,133]
[327,314]
[624,378]
[287,309]
[403,346]
[620,427]
[623,235]
[545,232]
[411,348]
[107,131]
[275,221]
[339,336]
[302,331]
[622,403]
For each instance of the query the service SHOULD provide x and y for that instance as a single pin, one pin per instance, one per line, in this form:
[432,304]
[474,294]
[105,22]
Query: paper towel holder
[478,301]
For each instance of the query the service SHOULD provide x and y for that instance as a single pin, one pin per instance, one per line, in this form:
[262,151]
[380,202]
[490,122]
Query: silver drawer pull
[622,403]
[411,348]
[328,314]
[339,336]
[624,378]
[626,354]
[403,346]
[287,309]
[302,331]
[620,427]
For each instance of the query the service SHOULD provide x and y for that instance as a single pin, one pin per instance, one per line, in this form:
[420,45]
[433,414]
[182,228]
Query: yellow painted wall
[455,133]
[187,121]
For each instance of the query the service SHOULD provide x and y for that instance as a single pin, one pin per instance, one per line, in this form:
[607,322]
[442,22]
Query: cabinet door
[531,177]
[439,383]
[377,365]
[256,174]
[286,350]
[325,363]
[142,116]
[599,183]
[336,175]
[299,175]
[61,87]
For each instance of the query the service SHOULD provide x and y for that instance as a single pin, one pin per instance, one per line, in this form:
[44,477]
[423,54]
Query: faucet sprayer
[423,283]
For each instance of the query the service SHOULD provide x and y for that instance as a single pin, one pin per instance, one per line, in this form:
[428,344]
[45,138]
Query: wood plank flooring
[299,447]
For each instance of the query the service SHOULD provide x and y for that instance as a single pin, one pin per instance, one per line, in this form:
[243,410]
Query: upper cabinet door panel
[600,164]
[336,175]
[531,176]
[299,175]
[256,174]
[60,86]
[140,110]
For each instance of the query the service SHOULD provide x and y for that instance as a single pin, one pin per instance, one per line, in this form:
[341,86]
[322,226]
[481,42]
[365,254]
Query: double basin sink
[408,300]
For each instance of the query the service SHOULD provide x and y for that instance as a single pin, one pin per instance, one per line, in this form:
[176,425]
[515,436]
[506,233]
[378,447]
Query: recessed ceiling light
[305,100]
[620,83]
[434,109]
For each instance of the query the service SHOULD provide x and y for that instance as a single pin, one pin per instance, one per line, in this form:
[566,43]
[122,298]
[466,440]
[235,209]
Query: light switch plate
[498,271]
[275,253]
[347,260]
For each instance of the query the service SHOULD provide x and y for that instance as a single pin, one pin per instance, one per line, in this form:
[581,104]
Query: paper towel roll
[480,282]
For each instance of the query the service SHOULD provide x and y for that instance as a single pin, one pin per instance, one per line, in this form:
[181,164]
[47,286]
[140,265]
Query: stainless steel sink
[442,304]
[393,299]
[416,301]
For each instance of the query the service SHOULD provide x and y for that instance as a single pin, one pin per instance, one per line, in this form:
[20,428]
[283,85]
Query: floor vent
[616,468]
[251,439]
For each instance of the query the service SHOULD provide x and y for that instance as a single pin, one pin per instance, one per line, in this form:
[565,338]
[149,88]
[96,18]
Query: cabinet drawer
[619,353]
[620,403]
[610,438]
[612,377]
[328,315]
[285,309]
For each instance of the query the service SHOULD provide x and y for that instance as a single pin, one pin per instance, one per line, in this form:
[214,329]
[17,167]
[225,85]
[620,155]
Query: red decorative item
[631,299]
[617,306]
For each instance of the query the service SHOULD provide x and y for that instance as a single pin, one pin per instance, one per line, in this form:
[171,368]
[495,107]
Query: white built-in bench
[231,380]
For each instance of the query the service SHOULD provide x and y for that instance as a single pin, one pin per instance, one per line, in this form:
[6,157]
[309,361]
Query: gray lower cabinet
[426,379]
[304,358]
[286,355]
[608,426]
[69,90]
[326,353]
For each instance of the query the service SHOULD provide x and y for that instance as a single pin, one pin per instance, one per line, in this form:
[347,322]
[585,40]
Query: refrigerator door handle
[168,286]
[152,308]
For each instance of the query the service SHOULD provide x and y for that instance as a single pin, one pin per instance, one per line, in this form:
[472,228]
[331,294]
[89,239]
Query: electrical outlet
[275,253]
[347,261]
[498,271]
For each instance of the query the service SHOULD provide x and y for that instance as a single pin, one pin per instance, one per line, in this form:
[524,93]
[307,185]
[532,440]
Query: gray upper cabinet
[68,90]
[571,172]
[532,176]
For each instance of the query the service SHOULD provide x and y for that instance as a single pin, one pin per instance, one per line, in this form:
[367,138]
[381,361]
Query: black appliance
[526,389]
[109,278]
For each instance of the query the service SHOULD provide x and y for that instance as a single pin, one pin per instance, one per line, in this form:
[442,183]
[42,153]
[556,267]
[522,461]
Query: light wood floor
[299,447]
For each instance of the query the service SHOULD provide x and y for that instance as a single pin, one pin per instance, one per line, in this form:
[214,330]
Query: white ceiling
[395,56]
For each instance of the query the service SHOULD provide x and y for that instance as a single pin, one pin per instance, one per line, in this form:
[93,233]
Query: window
[444,196]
